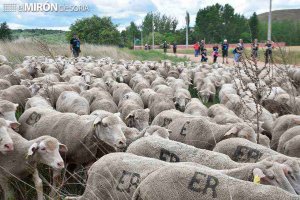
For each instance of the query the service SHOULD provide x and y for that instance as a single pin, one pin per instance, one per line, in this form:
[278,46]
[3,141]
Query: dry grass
[15,50]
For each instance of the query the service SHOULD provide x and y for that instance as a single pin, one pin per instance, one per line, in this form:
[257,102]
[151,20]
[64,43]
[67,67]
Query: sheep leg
[38,184]
[55,179]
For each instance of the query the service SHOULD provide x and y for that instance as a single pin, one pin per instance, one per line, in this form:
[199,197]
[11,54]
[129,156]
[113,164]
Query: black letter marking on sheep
[211,182]
[167,121]
[33,118]
[166,155]
[128,179]
[184,128]
[245,154]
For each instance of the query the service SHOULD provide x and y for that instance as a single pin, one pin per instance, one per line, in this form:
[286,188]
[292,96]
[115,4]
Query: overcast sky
[124,11]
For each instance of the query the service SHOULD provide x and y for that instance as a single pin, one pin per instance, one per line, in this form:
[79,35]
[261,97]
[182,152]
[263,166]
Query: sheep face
[109,131]
[6,143]
[47,151]
[138,119]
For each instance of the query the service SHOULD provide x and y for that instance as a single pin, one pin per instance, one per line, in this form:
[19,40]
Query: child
[215,53]
[204,55]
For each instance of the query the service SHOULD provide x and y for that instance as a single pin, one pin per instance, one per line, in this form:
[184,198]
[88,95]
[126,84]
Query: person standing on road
[165,46]
[254,49]
[215,53]
[268,53]
[237,53]
[174,47]
[75,45]
[225,47]
[204,56]
[196,48]
[202,46]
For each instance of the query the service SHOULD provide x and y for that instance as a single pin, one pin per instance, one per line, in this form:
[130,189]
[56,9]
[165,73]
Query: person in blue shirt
[215,53]
[75,45]
[225,47]
[204,55]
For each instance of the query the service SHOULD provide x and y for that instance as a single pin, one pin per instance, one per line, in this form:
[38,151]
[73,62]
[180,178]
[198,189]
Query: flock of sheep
[139,134]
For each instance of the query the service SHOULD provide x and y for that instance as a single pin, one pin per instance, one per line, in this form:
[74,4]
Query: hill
[50,36]
[281,15]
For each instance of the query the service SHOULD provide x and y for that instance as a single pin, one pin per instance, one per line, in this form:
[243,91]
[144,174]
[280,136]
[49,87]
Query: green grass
[153,55]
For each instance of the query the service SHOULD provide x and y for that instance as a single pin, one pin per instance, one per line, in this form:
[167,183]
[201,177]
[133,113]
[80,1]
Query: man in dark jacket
[75,45]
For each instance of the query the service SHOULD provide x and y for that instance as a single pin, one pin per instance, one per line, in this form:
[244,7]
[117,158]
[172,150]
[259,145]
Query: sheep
[17,94]
[282,124]
[43,149]
[100,100]
[287,138]
[8,112]
[5,70]
[134,115]
[207,92]
[219,109]
[226,89]
[119,92]
[89,134]
[275,107]
[164,89]
[181,97]
[242,150]
[145,95]
[131,96]
[196,107]
[4,84]
[164,118]
[182,181]
[117,175]
[172,151]
[79,81]
[70,101]
[6,143]
[202,133]
[158,103]
[37,101]
[52,92]
[130,171]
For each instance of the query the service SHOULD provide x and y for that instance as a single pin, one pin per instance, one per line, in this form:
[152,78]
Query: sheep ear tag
[256,179]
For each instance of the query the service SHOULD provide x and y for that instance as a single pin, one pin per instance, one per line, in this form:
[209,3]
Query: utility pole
[153,31]
[270,22]
[187,20]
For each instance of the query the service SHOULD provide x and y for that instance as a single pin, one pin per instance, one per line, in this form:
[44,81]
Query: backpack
[234,51]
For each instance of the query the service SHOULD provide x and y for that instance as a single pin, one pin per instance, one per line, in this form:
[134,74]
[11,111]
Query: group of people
[199,49]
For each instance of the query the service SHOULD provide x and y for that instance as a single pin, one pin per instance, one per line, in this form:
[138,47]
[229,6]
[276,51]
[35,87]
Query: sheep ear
[11,124]
[297,121]
[63,148]
[232,131]
[129,116]
[32,149]
[97,121]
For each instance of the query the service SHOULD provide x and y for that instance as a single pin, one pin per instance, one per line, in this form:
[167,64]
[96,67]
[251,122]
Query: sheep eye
[43,149]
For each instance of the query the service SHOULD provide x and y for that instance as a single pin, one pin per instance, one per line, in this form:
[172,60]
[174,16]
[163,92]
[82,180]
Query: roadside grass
[15,50]
[154,55]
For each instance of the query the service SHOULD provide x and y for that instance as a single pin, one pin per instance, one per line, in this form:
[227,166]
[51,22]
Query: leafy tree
[253,23]
[5,32]
[95,30]
[217,22]
[130,34]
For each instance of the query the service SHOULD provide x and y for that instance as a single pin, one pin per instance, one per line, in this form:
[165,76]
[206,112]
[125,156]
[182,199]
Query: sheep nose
[61,164]
[9,146]
[121,143]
